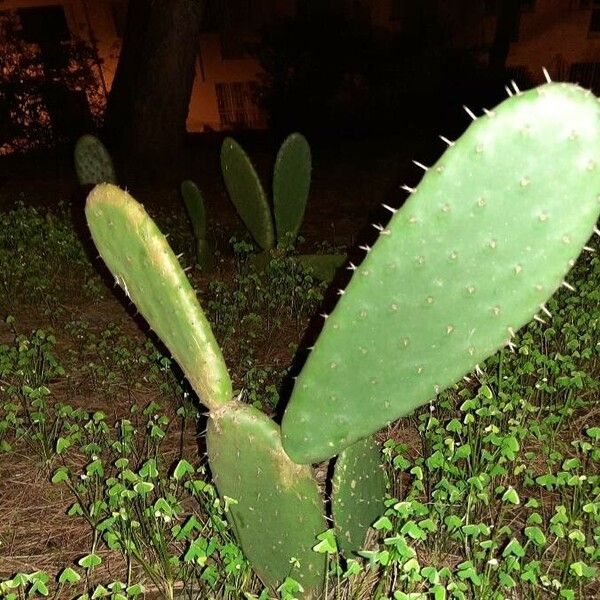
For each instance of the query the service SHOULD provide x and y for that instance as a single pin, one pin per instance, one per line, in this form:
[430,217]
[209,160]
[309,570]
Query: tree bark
[149,99]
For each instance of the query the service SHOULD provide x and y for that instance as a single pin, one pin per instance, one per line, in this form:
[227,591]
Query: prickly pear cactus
[246,193]
[275,507]
[358,493]
[144,265]
[194,203]
[277,511]
[485,239]
[93,163]
[291,183]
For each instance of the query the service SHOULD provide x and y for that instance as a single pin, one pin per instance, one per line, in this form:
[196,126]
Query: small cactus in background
[194,204]
[291,184]
[93,163]
[247,193]
[473,255]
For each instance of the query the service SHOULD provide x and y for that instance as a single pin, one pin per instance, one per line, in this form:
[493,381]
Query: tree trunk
[149,99]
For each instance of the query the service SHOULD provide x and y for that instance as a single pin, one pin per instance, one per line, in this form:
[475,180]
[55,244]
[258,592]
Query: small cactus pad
[358,493]
[93,163]
[194,203]
[277,511]
[485,239]
[246,193]
[323,266]
[291,183]
[143,264]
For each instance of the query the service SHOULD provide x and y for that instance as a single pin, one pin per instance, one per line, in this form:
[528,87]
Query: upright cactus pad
[358,493]
[246,193]
[277,511]
[93,163]
[485,239]
[144,265]
[291,183]
[194,203]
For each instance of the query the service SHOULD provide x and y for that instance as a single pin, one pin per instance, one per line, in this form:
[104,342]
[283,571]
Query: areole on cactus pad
[481,244]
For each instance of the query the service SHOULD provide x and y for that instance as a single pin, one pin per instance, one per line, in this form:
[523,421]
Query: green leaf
[593,432]
[149,469]
[327,544]
[143,487]
[536,535]
[383,524]
[89,561]
[182,469]
[68,575]
[62,444]
[513,548]
[511,496]
[60,475]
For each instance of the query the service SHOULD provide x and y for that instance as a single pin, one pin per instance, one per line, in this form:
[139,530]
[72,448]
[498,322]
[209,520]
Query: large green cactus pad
[291,183]
[144,265]
[194,204]
[246,193]
[278,511]
[358,493]
[486,238]
[93,163]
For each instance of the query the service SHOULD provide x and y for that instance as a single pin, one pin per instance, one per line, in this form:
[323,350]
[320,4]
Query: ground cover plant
[493,489]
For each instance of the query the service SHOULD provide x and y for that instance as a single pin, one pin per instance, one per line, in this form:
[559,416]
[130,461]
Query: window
[236,105]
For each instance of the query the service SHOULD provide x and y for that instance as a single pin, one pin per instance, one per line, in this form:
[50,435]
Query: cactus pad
[144,265]
[194,203]
[291,183]
[246,193]
[358,493]
[277,511]
[323,266]
[93,163]
[481,244]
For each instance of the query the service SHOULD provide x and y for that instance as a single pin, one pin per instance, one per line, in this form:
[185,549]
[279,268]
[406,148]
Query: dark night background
[341,71]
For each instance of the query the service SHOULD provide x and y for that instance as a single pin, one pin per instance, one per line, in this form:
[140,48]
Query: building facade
[561,35]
